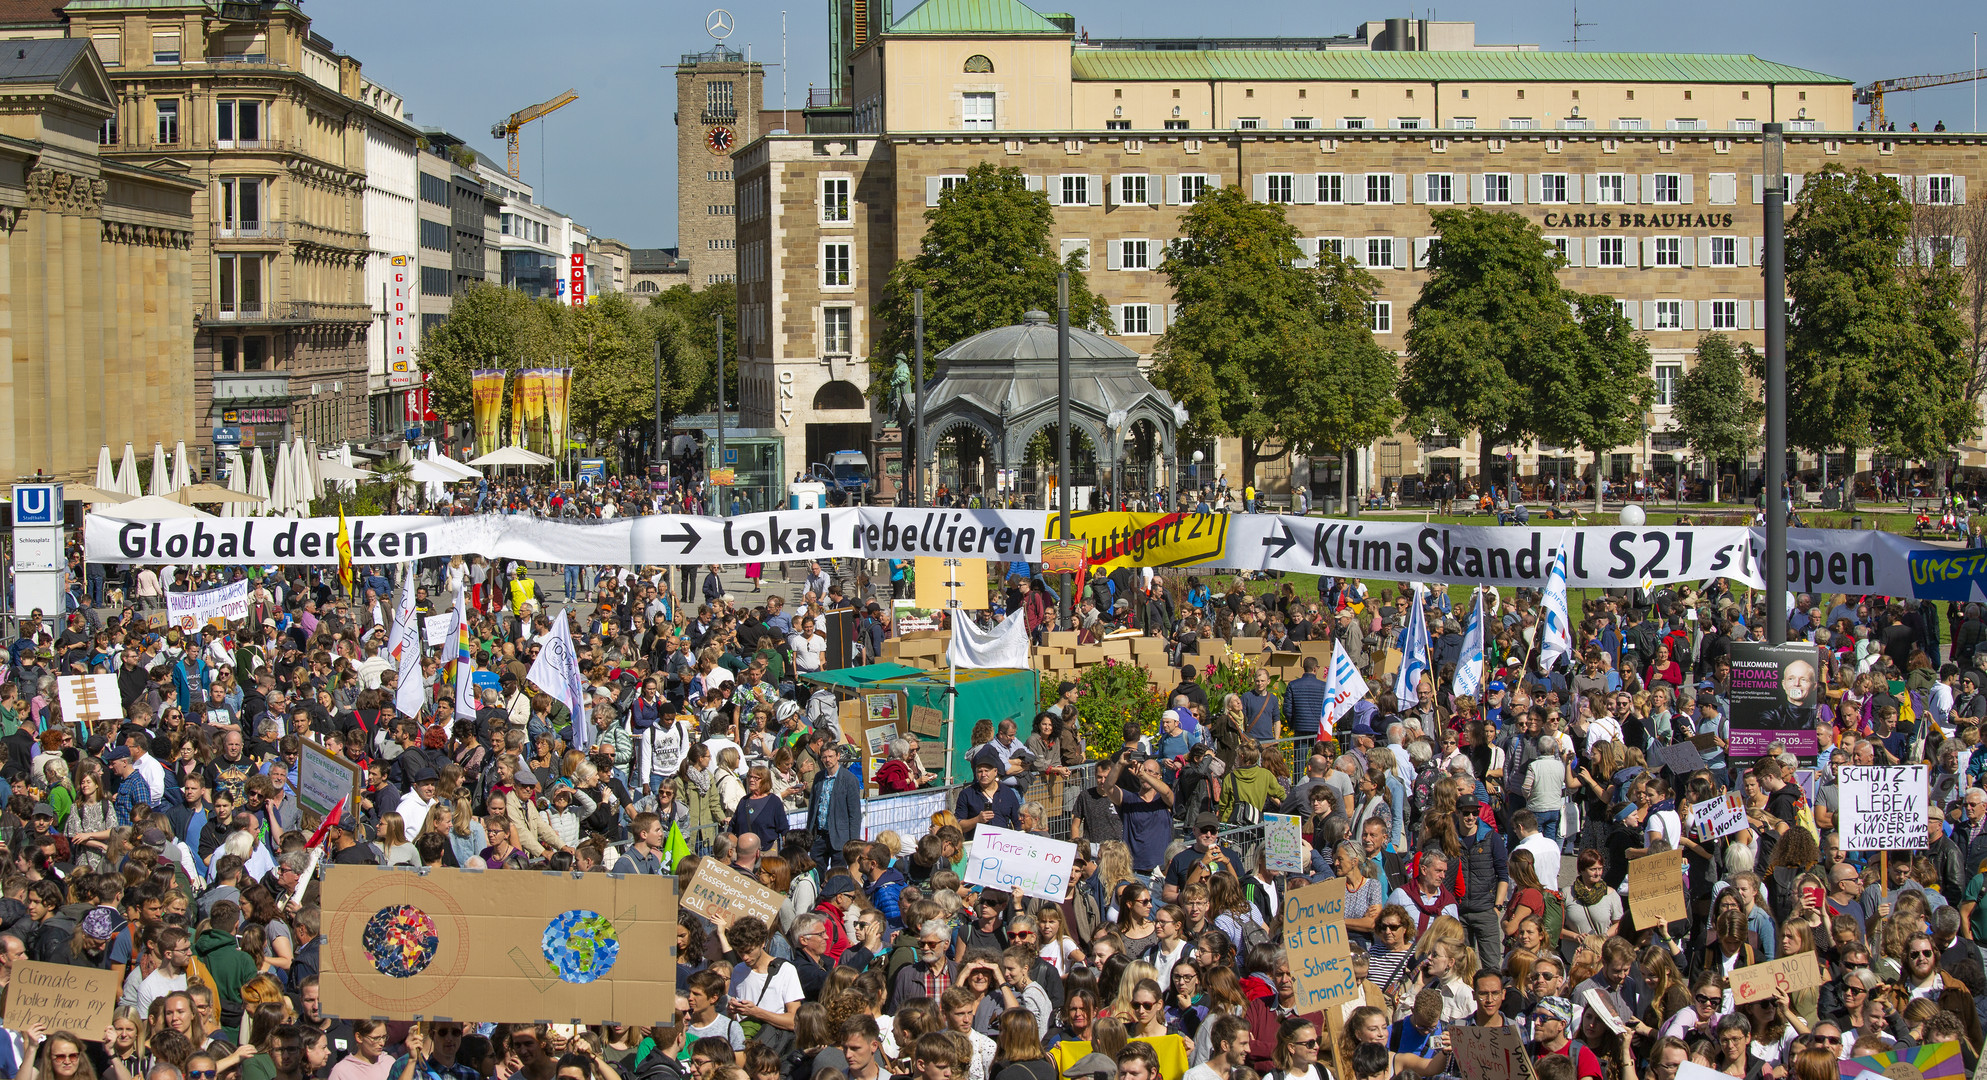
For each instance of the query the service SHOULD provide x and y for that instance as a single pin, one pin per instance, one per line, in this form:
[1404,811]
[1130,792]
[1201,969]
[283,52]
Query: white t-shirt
[771,991]
[809,651]
[720,1027]
[1545,859]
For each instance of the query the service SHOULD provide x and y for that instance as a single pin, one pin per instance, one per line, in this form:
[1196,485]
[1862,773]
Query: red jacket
[838,931]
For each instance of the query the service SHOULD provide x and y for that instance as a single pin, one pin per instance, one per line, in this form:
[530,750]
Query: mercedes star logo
[720,24]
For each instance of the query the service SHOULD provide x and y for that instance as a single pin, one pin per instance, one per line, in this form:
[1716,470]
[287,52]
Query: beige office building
[1643,168]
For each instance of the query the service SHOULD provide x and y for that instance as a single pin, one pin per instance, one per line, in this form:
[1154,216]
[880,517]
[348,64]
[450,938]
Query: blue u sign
[37,504]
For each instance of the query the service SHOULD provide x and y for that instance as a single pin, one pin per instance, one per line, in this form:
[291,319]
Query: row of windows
[717,176]
[534,232]
[1512,123]
[435,280]
[723,245]
[434,189]
[1675,314]
[435,234]
[718,211]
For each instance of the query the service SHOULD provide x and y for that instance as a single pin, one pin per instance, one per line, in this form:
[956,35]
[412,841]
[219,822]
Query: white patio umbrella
[510,455]
[258,481]
[237,483]
[449,465]
[182,469]
[106,478]
[162,484]
[304,485]
[127,474]
[282,479]
[316,474]
[336,471]
[151,508]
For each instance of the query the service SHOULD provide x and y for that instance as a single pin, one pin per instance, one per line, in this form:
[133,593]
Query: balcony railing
[719,115]
[286,313]
[268,230]
[825,97]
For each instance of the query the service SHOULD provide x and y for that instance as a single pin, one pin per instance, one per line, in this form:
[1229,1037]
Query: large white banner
[190,610]
[1598,556]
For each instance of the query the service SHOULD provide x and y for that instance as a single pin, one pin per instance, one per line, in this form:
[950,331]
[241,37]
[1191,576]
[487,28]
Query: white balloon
[1632,515]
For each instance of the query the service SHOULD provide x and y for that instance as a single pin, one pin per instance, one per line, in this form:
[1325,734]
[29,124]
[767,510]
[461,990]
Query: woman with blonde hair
[1113,869]
[396,849]
[466,837]
[728,786]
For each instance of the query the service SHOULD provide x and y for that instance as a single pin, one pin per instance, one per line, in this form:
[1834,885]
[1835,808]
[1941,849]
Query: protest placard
[323,778]
[1682,758]
[1655,889]
[1490,1053]
[87,699]
[1774,698]
[1718,817]
[219,606]
[928,721]
[1883,807]
[1283,843]
[719,893]
[60,997]
[435,628]
[1314,940]
[1019,862]
[1792,973]
[1596,1001]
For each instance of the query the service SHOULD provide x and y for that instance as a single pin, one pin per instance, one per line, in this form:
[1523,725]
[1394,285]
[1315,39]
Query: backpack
[1553,919]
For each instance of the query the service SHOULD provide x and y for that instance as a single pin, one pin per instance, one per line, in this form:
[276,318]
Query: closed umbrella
[258,481]
[238,483]
[182,469]
[127,474]
[303,486]
[162,484]
[282,477]
[106,478]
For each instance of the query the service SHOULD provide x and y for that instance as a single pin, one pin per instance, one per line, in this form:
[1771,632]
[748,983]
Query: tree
[694,310]
[1262,349]
[488,326]
[1875,352]
[611,349]
[1340,389]
[1593,389]
[1717,410]
[988,256]
[1956,230]
[1491,304]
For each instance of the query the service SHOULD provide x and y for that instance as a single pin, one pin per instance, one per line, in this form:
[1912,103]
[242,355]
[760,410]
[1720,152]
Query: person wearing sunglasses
[1707,1004]
[1921,977]
[1296,1052]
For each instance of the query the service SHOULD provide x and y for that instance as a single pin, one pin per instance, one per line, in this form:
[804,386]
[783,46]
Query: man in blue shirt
[1304,701]
[1145,804]
[988,801]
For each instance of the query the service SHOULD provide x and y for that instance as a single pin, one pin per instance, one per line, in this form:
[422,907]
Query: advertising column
[38,548]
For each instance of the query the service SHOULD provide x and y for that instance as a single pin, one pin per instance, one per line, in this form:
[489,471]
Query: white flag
[1004,646]
[1343,687]
[457,646]
[557,672]
[405,631]
[1414,652]
[1469,665]
[411,693]
[1556,633]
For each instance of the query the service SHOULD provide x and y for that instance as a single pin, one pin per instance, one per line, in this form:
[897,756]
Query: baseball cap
[117,753]
[988,757]
[42,809]
[525,778]
[836,886]
[1206,821]
[1064,687]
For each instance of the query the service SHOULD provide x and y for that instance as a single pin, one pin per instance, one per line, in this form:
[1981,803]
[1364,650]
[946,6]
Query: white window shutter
[1593,250]
[1574,251]
[1214,181]
[933,185]
[1114,254]
[1759,251]
[1476,187]
[1307,248]
[1157,313]
[1758,188]
[1400,188]
[1118,317]
[1959,251]
[1689,314]
[1959,187]
[1795,182]
[1744,314]
[1421,187]
[1648,314]
[1759,314]
[1517,186]
[1401,252]
[1535,186]
[1573,187]
[1742,251]
[1035,182]
[1261,187]
[1111,192]
[1304,189]
[1703,313]
[1054,190]
[1687,252]
[1421,252]
[1642,192]
[1703,250]
[1152,193]
[1172,189]
[1355,189]
[1648,251]
[1355,250]
[1920,191]
[1172,313]
[1096,192]
[1687,189]
[1724,189]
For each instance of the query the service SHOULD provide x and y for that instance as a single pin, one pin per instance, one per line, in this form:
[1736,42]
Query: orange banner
[486,388]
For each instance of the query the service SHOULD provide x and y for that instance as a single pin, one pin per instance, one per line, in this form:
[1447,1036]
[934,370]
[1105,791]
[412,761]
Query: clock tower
[718,99]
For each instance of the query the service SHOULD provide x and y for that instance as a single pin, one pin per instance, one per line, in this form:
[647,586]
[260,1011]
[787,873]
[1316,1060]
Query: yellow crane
[1872,94]
[507,130]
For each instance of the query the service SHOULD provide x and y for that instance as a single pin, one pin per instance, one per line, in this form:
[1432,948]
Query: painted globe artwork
[401,940]
[580,946]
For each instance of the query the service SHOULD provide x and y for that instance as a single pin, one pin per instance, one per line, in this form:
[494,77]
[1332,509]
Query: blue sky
[609,159]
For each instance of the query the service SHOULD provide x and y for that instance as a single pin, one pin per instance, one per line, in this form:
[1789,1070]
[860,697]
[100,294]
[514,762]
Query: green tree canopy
[488,326]
[692,311]
[988,256]
[1875,353]
[1717,409]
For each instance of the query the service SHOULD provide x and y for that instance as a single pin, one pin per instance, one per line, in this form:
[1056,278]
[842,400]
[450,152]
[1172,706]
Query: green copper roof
[974,17]
[1130,65]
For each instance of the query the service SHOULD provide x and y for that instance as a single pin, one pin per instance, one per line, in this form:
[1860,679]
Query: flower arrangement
[1108,696]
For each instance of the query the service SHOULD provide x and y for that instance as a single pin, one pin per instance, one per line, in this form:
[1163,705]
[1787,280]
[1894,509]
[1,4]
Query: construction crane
[507,130]
[1873,93]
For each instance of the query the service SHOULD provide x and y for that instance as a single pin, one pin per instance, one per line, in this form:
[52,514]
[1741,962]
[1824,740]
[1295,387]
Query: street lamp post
[1062,427]
[1196,480]
[918,399]
[717,318]
[1115,424]
[1774,197]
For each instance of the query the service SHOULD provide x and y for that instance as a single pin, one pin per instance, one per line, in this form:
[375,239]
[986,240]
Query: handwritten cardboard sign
[1490,1053]
[1314,939]
[926,720]
[1283,843]
[323,778]
[1792,973]
[1655,889]
[1718,817]
[1683,758]
[61,997]
[1883,807]
[87,699]
[719,893]
[1019,862]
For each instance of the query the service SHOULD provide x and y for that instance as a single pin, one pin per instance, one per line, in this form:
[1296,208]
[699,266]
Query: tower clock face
[720,140]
